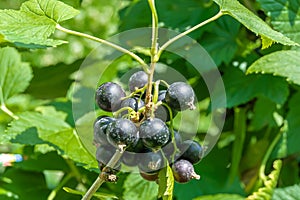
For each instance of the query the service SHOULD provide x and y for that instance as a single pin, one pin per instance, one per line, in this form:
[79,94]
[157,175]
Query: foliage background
[259,103]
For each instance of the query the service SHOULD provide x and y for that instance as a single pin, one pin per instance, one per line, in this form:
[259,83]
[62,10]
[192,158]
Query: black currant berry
[183,171]
[193,152]
[134,103]
[162,111]
[137,80]
[149,176]
[103,156]
[138,147]
[122,132]
[100,126]
[108,96]
[130,159]
[151,162]
[180,96]
[154,133]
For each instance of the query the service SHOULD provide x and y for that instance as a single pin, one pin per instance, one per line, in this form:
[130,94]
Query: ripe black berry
[103,156]
[180,96]
[154,133]
[100,126]
[122,132]
[137,80]
[193,152]
[108,96]
[183,171]
[134,103]
[162,111]
[151,162]
[130,159]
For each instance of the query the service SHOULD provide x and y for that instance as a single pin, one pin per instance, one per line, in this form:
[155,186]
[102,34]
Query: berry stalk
[101,178]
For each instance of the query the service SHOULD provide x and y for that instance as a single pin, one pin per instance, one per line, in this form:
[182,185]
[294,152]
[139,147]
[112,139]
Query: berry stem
[154,59]
[174,39]
[115,46]
[100,180]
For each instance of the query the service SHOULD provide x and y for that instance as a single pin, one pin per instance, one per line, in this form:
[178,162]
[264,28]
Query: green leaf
[137,188]
[263,112]
[253,23]
[287,66]
[97,194]
[15,75]
[291,193]
[221,41]
[221,197]
[53,9]
[53,129]
[166,183]
[34,22]
[285,16]
[274,88]
[25,184]
[293,119]
[53,81]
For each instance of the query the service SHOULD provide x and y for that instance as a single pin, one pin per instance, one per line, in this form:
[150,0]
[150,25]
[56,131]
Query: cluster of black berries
[143,130]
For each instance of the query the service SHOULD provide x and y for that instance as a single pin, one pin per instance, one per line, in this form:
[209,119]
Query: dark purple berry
[103,156]
[180,96]
[193,151]
[154,133]
[130,159]
[183,171]
[151,162]
[122,132]
[137,80]
[134,103]
[109,95]
[100,126]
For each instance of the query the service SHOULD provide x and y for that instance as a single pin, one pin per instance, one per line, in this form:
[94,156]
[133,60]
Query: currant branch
[115,46]
[102,176]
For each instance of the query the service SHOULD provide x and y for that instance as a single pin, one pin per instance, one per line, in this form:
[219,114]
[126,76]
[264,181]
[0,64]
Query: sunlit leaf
[34,22]
[287,66]
[253,23]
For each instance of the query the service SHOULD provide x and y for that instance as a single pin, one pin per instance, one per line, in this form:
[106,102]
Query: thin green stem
[154,59]
[100,180]
[174,39]
[240,135]
[9,112]
[115,46]
[267,155]
[154,28]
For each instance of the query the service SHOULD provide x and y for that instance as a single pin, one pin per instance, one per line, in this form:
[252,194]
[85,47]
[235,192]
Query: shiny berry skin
[137,80]
[130,159]
[154,133]
[151,162]
[162,112]
[180,96]
[108,96]
[134,103]
[183,171]
[122,132]
[103,156]
[193,151]
[100,126]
